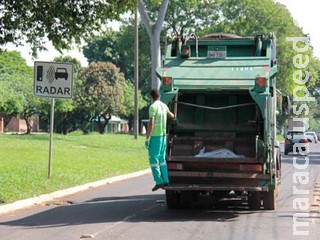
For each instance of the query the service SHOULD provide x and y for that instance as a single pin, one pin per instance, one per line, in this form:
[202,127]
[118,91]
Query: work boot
[157,186]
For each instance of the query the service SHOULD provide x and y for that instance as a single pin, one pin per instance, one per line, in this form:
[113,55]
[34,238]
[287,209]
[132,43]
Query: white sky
[306,13]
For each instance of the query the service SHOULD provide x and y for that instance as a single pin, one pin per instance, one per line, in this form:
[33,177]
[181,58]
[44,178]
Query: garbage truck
[222,89]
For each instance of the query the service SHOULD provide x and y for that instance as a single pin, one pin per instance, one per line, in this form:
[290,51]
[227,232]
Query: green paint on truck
[222,88]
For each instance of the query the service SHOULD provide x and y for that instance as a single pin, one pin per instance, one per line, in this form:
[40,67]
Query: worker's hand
[146,143]
[175,121]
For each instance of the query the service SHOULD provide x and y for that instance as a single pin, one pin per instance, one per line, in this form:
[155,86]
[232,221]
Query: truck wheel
[254,200]
[173,199]
[278,170]
[270,200]
[187,198]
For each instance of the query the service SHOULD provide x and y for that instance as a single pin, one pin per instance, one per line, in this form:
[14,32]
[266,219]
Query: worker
[156,140]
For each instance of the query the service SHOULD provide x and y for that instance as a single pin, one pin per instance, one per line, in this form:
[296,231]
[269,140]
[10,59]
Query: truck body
[222,89]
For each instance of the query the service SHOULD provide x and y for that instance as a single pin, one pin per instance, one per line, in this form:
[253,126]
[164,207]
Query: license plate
[217,54]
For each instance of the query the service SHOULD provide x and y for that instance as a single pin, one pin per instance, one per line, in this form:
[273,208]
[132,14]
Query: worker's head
[155,95]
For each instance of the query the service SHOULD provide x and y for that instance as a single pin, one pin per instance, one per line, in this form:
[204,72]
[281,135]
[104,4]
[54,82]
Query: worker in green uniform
[156,139]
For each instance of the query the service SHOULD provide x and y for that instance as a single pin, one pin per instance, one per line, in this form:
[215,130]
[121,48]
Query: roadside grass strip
[77,159]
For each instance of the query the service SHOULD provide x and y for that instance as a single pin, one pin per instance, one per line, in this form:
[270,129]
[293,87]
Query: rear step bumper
[204,187]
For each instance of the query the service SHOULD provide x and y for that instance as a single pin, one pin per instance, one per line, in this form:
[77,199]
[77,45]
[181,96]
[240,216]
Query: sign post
[51,136]
[53,80]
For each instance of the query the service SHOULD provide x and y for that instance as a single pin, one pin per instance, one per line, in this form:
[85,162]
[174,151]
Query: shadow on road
[143,208]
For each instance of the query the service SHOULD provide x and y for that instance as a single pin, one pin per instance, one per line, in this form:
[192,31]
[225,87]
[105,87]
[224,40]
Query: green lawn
[77,159]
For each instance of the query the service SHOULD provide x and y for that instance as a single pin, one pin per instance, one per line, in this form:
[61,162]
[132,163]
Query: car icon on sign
[61,73]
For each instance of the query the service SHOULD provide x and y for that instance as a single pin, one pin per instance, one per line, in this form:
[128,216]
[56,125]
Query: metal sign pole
[136,76]
[51,136]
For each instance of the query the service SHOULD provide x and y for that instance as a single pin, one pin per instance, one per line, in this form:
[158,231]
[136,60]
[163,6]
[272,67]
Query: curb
[11,207]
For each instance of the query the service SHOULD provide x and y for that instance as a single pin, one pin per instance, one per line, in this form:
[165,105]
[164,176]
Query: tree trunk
[154,30]
[102,126]
[29,125]
[156,60]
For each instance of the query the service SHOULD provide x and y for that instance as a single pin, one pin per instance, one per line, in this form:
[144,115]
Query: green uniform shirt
[158,110]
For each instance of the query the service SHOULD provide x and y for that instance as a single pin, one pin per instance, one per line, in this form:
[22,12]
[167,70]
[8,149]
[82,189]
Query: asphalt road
[129,210]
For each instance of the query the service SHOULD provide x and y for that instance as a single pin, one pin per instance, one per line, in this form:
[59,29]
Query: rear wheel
[254,200]
[278,170]
[173,199]
[187,198]
[270,199]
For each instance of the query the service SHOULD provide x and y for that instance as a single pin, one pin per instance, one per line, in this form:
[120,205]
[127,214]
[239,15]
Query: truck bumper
[204,187]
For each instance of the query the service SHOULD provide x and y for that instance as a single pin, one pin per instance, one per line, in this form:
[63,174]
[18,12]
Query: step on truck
[222,88]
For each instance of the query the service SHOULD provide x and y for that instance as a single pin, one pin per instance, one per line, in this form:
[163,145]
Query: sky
[305,12]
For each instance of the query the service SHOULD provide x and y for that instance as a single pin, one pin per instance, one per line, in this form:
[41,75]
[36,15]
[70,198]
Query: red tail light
[261,81]
[303,141]
[286,141]
[167,81]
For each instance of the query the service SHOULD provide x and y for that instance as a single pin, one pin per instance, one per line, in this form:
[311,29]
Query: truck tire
[254,200]
[270,200]
[278,164]
[173,199]
[187,198]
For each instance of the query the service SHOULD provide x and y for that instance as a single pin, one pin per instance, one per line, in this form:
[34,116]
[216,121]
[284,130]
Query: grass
[77,159]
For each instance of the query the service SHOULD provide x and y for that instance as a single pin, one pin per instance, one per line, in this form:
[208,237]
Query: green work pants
[157,159]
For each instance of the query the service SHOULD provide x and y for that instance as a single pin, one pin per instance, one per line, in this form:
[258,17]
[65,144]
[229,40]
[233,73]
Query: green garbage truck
[222,88]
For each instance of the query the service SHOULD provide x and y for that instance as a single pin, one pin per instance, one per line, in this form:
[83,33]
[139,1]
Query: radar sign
[53,79]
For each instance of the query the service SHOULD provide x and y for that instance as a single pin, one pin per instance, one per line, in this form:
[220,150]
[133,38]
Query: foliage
[105,48]
[16,86]
[103,91]
[65,118]
[103,88]
[116,47]
[128,99]
[62,22]
[75,62]
[314,67]
[250,18]
[13,71]
[185,17]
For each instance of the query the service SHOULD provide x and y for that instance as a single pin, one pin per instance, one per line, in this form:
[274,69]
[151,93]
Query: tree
[62,22]
[182,18]
[154,30]
[65,119]
[105,48]
[116,47]
[13,75]
[103,89]
[185,17]
[250,17]
[17,98]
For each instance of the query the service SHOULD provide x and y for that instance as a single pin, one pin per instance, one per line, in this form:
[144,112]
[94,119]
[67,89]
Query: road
[129,210]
